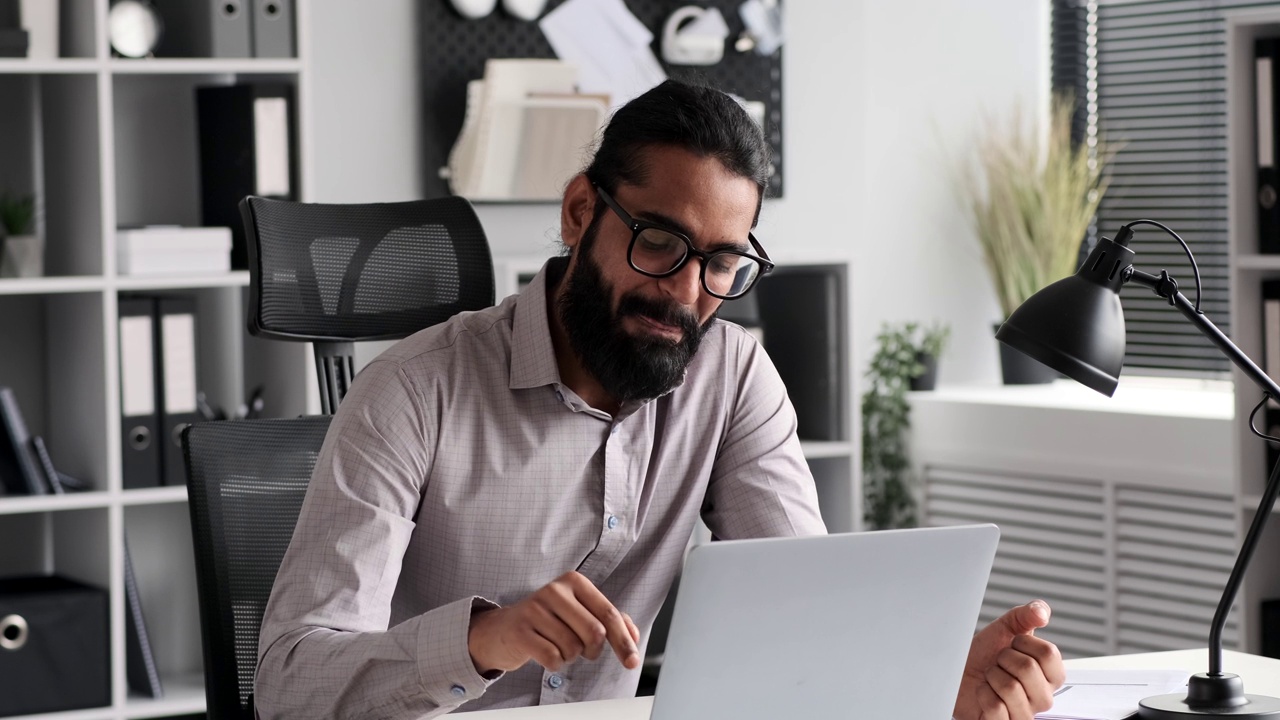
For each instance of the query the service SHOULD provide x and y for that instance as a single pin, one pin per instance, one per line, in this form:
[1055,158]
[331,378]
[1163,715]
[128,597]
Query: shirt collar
[533,359]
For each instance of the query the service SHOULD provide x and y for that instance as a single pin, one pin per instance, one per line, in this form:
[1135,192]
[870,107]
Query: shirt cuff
[448,674]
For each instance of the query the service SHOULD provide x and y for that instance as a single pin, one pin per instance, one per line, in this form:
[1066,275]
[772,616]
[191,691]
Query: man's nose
[685,285]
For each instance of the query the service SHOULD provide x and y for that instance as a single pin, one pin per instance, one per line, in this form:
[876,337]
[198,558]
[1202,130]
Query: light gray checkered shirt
[459,472]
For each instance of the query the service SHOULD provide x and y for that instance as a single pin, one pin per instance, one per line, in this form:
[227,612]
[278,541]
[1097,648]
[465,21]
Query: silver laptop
[865,625]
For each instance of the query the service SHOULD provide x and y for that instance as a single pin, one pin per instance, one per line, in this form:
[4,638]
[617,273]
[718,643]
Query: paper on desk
[1110,694]
[609,46]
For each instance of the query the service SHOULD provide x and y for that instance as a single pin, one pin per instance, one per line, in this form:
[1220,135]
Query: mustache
[665,313]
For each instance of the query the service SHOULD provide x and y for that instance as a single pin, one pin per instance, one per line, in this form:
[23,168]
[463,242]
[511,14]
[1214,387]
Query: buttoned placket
[622,488]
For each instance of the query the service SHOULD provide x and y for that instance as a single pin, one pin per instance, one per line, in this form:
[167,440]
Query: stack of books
[173,250]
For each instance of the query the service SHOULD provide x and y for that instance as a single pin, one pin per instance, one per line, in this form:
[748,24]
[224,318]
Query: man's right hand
[562,620]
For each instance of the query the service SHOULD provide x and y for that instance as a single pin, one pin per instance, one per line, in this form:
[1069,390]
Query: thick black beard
[628,368]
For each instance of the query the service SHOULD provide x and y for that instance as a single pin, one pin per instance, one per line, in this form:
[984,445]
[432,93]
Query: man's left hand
[1011,674]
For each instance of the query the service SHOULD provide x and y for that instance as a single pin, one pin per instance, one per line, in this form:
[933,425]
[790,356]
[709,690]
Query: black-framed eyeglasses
[660,252]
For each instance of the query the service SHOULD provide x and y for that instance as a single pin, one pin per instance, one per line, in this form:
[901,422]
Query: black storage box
[13,42]
[1271,628]
[53,646]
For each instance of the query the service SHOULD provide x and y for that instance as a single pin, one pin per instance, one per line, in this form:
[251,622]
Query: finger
[1025,669]
[1011,693]
[547,623]
[991,705]
[631,625]
[561,599]
[616,630]
[1046,654]
[541,650]
[1025,619]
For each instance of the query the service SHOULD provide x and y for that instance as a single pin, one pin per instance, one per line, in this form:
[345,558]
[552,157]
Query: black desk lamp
[1076,326]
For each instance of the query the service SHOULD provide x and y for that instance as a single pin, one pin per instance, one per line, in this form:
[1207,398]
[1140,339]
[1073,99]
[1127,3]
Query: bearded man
[503,500]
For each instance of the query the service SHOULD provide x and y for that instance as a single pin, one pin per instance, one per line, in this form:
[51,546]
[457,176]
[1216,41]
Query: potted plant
[21,254]
[889,499]
[929,344]
[1031,194]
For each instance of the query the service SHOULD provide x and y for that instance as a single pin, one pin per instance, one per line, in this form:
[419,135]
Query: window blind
[1160,89]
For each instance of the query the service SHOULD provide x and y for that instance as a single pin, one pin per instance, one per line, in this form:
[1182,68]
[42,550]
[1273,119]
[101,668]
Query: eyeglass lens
[726,274]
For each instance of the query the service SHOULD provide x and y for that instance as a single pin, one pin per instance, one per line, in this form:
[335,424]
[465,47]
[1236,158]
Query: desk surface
[1261,677]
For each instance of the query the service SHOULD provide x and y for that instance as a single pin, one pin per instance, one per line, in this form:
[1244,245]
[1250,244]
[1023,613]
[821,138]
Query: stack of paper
[173,250]
[608,45]
[1111,694]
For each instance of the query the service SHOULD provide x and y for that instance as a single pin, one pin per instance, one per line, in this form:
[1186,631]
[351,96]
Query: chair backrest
[246,482]
[337,274]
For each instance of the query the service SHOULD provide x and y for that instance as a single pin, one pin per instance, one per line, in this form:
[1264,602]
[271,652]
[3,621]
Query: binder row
[1266,75]
[157,387]
[226,28]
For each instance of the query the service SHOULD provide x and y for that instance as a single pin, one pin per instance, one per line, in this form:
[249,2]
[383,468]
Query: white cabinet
[1119,512]
[103,142]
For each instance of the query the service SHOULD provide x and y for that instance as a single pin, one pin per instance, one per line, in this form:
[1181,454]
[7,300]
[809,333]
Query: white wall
[875,92]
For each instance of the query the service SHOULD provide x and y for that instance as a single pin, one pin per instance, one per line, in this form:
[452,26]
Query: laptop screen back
[868,625]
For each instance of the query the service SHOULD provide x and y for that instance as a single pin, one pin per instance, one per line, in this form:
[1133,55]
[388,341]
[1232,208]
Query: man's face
[636,334]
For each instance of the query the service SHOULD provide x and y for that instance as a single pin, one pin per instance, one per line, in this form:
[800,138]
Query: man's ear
[576,210]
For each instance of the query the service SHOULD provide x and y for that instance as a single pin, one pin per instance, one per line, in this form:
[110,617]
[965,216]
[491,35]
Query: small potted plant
[1031,193]
[929,343]
[21,254]
[889,500]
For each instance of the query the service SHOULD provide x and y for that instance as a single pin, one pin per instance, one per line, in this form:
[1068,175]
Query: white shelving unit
[1248,269]
[104,142]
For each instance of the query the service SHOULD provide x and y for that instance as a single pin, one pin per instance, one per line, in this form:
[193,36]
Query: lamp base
[1210,696]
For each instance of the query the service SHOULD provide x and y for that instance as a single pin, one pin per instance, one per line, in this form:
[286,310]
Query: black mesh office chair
[339,274]
[246,482]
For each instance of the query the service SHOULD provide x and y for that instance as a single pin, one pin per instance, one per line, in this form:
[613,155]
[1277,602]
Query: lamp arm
[1167,288]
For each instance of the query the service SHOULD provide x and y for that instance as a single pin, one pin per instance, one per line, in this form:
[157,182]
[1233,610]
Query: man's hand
[562,620]
[1011,674]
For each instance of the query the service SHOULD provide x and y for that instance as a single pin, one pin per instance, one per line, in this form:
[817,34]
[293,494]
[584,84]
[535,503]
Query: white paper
[271,145]
[609,46]
[1110,694]
[178,335]
[137,374]
[1266,153]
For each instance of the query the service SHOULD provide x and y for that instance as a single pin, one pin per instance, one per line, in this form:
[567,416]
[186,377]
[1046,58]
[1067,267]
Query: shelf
[22,504]
[103,713]
[1256,261]
[819,449]
[1249,504]
[62,66]
[235,278]
[155,496]
[42,285]
[204,66]
[183,695]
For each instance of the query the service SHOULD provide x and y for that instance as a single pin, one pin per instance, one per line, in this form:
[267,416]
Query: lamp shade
[1076,325]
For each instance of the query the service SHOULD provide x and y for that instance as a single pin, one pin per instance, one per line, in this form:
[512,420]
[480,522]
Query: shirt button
[458,690]
[555,681]
[613,521]
[560,396]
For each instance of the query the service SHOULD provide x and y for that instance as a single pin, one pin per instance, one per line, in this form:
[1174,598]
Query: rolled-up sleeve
[325,647]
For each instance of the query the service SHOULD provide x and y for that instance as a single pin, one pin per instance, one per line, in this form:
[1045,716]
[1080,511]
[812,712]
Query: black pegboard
[454,51]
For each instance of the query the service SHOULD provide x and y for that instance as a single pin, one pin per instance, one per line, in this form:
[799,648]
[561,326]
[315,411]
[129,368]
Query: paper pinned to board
[609,46]
[1110,694]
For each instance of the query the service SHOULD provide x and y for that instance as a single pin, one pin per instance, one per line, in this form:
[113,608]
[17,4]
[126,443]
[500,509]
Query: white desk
[1261,677]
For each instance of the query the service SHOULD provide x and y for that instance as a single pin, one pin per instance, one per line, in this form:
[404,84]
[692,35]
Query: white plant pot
[23,257]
